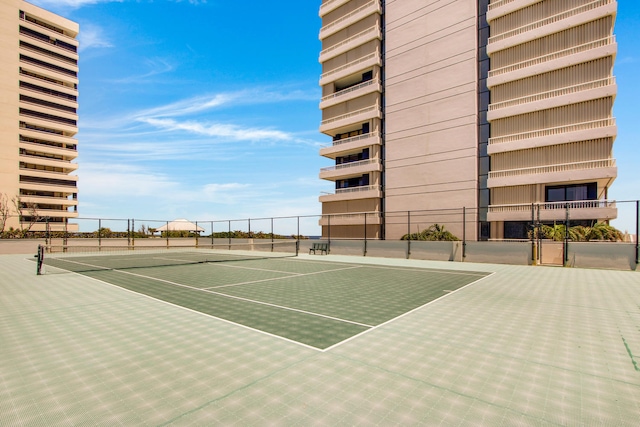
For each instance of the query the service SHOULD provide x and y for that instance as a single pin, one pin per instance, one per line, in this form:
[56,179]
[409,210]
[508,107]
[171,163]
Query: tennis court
[316,303]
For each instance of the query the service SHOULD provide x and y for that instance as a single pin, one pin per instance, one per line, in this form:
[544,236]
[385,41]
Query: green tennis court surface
[316,303]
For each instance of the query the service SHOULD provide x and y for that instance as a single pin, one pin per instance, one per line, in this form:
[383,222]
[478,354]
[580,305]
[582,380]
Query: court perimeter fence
[408,228]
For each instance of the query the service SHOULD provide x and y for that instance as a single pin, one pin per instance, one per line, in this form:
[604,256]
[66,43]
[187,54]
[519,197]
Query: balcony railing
[573,204]
[610,81]
[337,22]
[330,5]
[59,32]
[550,20]
[499,3]
[358,189]
[555,55]
[361,35]
[595,124]
[350,165]
[348,115]
[564,167]
[350,64]
[349,90]
[352,139]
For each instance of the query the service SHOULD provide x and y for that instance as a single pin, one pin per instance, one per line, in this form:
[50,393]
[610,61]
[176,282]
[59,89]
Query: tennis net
[78,258]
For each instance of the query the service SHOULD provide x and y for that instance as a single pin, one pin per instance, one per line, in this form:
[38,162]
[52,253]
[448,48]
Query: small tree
[435,232]
[4,211]
[31,210]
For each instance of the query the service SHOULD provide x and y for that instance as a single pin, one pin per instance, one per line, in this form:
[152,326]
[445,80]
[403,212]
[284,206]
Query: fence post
[65,241]
[539,233]
[566,235]
[464,233]
[100,234]
[328,233]
[298,238]
[197,234]
[637,227]
[133,233]
[365,235]
[229,234]
[167,234]
[211,234]
[533,235]
[408,234]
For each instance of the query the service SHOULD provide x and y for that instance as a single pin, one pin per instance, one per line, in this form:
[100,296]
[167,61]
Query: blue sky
[208,110]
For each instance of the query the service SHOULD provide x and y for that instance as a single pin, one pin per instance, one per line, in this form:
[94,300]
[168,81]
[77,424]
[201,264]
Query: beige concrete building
[492,106]
[38,114]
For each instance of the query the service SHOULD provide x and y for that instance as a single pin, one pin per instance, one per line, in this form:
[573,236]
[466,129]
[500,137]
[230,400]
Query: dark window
[565,193]
[516,229]
[367,76]
[361,181]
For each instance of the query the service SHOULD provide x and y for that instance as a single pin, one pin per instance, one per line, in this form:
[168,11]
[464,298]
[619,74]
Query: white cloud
[229,131]
[156,66]
[91,36]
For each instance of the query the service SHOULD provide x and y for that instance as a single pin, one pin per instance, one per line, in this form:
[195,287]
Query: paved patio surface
[527,346]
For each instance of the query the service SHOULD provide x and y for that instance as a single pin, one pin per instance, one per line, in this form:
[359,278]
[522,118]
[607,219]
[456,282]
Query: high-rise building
[38,115]
[492,106]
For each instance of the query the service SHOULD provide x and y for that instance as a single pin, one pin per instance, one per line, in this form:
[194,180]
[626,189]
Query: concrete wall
[431,115]
[619,256]
[513,253]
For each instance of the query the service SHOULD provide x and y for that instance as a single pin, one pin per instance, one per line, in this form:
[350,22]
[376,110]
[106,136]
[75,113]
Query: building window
[360,181]
[565,193]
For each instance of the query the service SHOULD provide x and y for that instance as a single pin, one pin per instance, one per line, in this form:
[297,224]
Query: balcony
[556,60]
[331,5]
[351,43]
[351,219]
[585,131]
[552,24]
[347,19]
[354,193]
[345,170]
[40,200]
[604,169]
[48,162]
[357,116]
[499,8]
[555,211]
[67,153]
[554,98]
[350,93]
[352,67]
[354,143]
[58,33]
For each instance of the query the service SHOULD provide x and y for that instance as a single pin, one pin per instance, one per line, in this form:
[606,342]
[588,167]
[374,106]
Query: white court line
[280,278]
[406,314]
[246,299]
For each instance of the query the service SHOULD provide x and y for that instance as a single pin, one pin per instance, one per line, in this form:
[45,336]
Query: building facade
[38,116]
[496,107]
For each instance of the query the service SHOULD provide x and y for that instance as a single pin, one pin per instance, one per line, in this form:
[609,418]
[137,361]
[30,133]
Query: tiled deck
[527,345]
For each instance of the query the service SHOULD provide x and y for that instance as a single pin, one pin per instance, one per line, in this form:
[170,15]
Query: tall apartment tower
[491,106]
[38,115]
